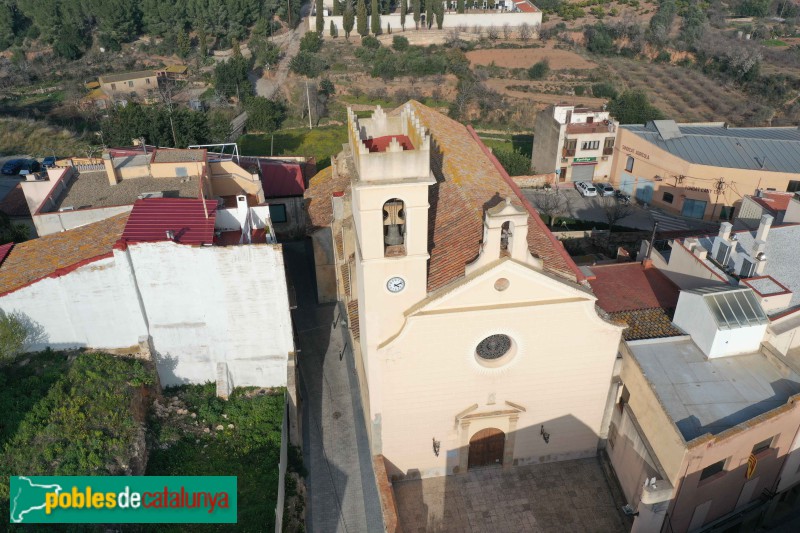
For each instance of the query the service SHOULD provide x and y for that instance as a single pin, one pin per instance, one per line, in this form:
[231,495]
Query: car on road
[12,167]
[49,162]
[30,166]
[604,189]
[585,188]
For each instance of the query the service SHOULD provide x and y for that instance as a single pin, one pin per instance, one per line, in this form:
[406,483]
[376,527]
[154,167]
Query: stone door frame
[504,419]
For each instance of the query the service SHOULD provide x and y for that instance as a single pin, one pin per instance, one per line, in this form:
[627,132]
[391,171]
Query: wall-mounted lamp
[545,435]
[436,445]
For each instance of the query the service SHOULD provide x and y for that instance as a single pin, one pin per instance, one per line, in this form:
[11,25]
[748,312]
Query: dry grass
[36,138]
[526,57]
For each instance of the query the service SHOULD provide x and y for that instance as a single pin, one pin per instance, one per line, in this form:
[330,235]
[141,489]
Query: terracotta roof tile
[628,286]
[646,324]
[318,197]
[47,256]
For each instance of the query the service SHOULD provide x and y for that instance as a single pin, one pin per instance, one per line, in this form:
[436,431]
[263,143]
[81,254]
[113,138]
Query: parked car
[49,162]
[12,167]
[585,188]
[29,166]
[604,189]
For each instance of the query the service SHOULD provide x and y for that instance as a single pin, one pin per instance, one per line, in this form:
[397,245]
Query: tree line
[69,25]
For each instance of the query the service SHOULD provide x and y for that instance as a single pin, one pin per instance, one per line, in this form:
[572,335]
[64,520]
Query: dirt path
[290,46]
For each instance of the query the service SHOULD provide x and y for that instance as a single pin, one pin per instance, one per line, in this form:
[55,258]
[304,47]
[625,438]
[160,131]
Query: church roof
[469,181]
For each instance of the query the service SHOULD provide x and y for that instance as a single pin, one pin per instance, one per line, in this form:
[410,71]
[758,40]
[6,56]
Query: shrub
[663,57]
[399,43]
[15,332]
[604,90]
[307,64]
[369,41]
[515,163]
[311,42]
[540,70]
[599,39]
[264,115]
[580,90]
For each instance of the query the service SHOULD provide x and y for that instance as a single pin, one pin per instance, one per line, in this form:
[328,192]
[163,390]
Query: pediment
[503,283]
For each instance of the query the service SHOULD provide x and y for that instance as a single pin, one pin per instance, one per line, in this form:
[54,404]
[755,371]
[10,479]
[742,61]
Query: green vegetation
[539,70]
[320,143]
[264,115]
[311,42]
[515,163]
[230,77]
[400,43]
[307,64]
[774,42]
[519,142]
[157,125]
[633,107]
[15,330]
[604,90]
[64,417]
[415,61]
[37,138]
[238,437]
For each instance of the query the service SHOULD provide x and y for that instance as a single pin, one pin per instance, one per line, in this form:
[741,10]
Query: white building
[197,286]
[575,142]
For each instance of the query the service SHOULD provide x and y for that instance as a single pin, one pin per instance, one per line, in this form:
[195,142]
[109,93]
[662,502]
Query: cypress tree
[429,16]
[334,33]
[320,20]
[417,10]
[361,18]
[460,6]
[337,8]
[439,8]
[375,18]
[403,10]
[348,19]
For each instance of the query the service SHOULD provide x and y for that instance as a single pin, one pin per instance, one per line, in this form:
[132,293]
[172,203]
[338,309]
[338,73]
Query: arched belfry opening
[394,228]
[506,235]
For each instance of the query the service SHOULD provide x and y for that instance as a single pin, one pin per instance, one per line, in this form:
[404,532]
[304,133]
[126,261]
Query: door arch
[486,448]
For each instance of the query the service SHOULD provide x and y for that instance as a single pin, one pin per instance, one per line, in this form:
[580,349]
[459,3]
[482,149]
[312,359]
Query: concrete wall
[295,225]
[750,213]
[123,88]
[687,271]
[547,143]
[451,20]
[41,194]
[201,305]
[324,265]
[284,460]
[630,455]
[698,184]
[57,221]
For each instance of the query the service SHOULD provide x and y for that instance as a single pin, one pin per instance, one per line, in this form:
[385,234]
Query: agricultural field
[559,59]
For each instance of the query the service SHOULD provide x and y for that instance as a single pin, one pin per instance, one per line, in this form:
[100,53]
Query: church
[476,337]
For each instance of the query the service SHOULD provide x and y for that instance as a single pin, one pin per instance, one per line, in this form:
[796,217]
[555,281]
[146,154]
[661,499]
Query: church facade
[477,341]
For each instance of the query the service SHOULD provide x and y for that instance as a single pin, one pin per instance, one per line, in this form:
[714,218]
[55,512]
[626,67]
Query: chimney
[111,172]
[725,231]
[792,215]
[763,228]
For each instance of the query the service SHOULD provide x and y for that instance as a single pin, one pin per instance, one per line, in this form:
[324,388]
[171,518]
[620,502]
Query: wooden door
[486,448]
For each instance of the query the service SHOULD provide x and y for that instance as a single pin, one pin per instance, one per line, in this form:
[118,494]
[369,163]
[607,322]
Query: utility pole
[719,186]
[308,99]
[289,12]
[652,241]
[271,144]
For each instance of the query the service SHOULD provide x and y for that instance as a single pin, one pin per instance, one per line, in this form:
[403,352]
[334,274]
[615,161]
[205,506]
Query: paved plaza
[552,497]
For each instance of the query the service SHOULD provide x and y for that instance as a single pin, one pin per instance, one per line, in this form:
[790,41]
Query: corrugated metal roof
[152,218]
[770,149]
[125,76]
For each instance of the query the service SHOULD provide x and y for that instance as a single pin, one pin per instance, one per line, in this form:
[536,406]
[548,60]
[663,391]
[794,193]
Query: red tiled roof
[774,201]
[380,144]
[282,179]
[629,286]
[4,251]
[318,197]
[59,253]
[526,7]
[651,323]
[14,204]
[151,218]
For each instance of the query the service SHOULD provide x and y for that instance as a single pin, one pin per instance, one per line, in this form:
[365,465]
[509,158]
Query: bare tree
[506,31]
[525,32]
[492,33]
[551,203]
[614,210]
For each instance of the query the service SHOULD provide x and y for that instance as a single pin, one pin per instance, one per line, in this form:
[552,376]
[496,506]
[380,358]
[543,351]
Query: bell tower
[391,175]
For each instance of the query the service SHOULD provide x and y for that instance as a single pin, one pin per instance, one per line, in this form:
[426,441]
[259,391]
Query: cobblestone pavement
[551,497]
[342,492]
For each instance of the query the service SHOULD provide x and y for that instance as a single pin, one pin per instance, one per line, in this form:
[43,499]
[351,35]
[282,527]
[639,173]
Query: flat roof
[762,149]
[179,155]
[773,201]
[91,189]
[710,395]
[125,76]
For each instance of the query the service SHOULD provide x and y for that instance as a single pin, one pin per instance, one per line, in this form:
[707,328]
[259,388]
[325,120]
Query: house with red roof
[198,288]
[473,330]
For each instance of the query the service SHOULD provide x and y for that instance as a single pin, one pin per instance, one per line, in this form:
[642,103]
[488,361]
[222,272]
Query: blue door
[694,208]
[644,191]
[626,184]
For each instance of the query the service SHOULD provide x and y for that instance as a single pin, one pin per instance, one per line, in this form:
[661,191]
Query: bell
[393,237]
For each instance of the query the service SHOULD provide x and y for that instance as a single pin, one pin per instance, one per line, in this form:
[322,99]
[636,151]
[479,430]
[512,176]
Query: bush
[663,57]
[599,39]
[580,90]
[515,163]
[399,43]
[307,64]
[311,42]
[540,70]
[632,107]
[604,90]
[369,41]
[264,115]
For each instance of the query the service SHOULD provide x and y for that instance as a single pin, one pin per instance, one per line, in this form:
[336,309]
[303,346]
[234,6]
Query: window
[667,197]
[694,208]
[590,145]
[130,84]
[394,228]
[569,147]
[608,146]
[277,212]
[793,186]
[762,446]
[113,86]
[711,470]
[589,120]
[629,164]
[495,350]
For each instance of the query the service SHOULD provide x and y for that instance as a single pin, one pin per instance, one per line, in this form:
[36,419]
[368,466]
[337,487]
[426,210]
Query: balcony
[591,127]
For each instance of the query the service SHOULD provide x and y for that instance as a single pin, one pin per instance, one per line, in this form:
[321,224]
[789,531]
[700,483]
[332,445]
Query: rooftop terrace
[91,189]
[710,395]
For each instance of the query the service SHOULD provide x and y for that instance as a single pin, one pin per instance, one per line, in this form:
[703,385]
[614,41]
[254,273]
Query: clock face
[396,284]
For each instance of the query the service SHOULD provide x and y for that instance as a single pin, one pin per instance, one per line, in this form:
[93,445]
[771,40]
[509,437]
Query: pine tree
[348,19]
[403,11]
[460,6]
[417,10]
[361,19]
[334,33]
[375,18]
[184,44]
[320,20]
